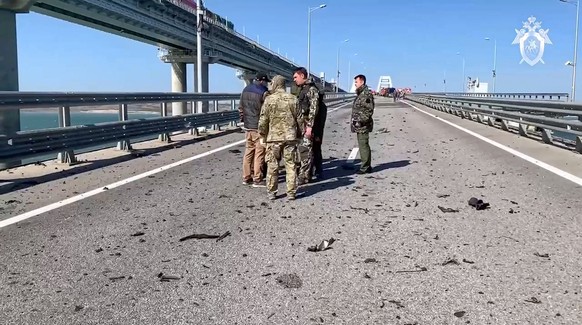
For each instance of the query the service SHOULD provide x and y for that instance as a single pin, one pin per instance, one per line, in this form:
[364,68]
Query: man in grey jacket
[251,101]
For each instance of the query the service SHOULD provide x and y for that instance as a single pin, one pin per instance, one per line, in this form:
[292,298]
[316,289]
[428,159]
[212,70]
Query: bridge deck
[84,263]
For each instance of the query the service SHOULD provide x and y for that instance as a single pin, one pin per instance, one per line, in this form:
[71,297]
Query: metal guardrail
[548,118]
[537,96]
[65,139]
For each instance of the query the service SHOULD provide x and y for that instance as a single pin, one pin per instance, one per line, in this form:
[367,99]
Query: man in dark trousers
[251,101]
[362,122]
[314,113]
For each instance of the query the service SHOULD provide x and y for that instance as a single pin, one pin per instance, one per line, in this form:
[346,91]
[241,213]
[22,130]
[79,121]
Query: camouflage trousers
[287,151]
[305,149]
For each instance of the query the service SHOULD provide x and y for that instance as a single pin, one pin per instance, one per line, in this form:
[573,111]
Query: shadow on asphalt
[338,173]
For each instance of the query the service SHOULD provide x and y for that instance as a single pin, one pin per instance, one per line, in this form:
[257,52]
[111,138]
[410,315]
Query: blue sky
[413,41]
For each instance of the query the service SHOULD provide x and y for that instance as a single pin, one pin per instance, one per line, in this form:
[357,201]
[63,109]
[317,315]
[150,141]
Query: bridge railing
[554,121]
[67,138]
[537,96]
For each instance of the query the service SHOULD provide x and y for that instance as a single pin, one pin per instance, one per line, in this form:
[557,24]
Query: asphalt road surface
[116,257]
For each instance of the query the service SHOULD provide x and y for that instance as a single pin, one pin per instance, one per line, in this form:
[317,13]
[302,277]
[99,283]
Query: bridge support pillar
[179,85]
[246,76]
[9,118]
[205,87]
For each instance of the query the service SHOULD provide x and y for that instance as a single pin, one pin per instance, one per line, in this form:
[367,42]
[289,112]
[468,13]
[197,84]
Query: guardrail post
[504,125]
[193,131]
[579,144]
[547,136]
[124,144]
[67,156]
[216,126]
[233,108]
[523,130]
[165,137]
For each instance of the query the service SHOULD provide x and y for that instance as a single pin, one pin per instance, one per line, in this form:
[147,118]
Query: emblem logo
[532,42]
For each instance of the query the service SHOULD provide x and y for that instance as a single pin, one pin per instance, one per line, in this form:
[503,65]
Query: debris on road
[542,255]
[206,236]
[459,314]
[114,278]
[422,269]
[478,204]
[366,210]
[534,300]
[451,261]
[167,278]
[446,210]
[226,234]
[370,260]
[397,303]
[324,245]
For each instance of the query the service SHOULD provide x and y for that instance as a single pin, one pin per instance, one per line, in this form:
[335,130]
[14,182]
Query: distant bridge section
[384,82]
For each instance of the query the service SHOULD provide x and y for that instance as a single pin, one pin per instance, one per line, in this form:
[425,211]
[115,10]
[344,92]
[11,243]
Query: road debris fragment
[422,269]
[447,210]
[206,236]
[167,278]
[478,204]
[324,245]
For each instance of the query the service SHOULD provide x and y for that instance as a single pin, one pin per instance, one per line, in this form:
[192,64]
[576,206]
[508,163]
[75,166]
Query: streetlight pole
[337,82]
[350,71]
[574,64]
[575,53]
[463,83]
[445,80]
[309,11]
[199,23]
[494,60]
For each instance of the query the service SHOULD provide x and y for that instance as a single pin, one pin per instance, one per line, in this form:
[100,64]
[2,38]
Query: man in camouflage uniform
[313,114]
[362,122]
[280,127]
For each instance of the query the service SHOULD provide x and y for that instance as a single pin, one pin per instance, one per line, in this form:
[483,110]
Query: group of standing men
[282,126]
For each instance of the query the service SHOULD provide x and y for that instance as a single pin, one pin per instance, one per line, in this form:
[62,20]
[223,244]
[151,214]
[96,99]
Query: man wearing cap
[251,101]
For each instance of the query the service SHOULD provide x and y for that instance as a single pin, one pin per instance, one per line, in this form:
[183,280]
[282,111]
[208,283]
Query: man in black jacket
[251,101]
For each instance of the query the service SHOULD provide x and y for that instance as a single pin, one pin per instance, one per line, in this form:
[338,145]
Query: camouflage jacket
[362,111]
[280,119]
[309,97]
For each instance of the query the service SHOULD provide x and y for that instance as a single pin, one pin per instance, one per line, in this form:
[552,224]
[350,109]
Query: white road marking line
[550,168]
[85,195]
[335,109]
[352,155]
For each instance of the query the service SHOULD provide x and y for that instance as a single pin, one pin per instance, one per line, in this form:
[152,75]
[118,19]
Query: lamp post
[309,11]
[337,83]
[350,71]
[199,22]
[494,60]
[445,80]
[574,64]
[463,82]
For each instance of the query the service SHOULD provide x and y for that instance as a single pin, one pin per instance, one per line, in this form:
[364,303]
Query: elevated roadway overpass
[157,22]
